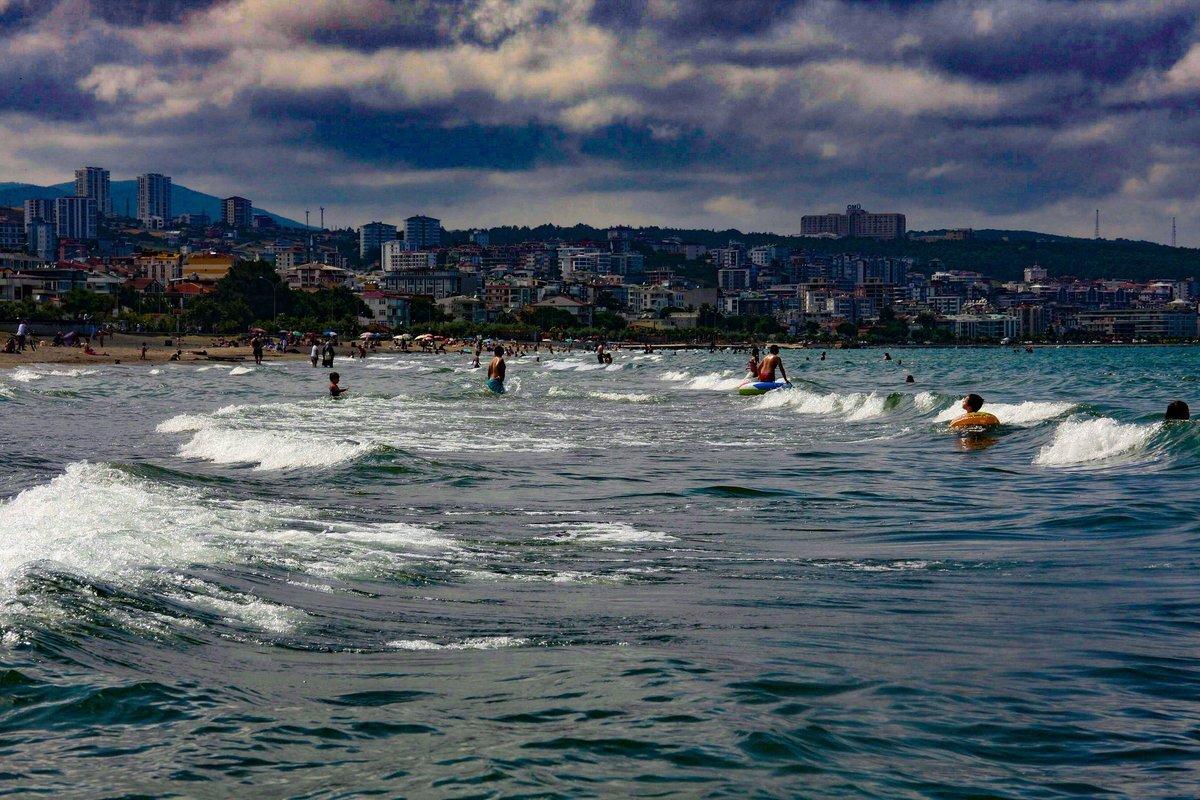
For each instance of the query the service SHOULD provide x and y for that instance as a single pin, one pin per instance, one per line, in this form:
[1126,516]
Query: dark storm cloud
[999,108]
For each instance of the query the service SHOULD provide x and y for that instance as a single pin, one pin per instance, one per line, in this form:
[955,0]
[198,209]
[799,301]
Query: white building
[396,256]
[153,199]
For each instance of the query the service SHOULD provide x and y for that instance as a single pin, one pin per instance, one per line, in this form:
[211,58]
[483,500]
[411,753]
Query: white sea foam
[1087,441]
[715,381]
[1028,413]
[674,376]
[183,423]
[25,375]
[98,521]
[602,532]
[475,643]
[853,405]
[241,370]
[156,372]
[269,449]
[615,397]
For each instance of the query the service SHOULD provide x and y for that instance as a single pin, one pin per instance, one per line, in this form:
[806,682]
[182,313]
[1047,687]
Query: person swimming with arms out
[496,369]
[334,389]
[766,370]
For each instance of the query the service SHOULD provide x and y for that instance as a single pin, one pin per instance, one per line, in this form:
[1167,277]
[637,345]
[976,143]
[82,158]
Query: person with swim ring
[971,404]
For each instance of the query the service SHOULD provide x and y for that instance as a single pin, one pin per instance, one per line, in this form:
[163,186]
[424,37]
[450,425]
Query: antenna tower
[322,217]
[1097,236]
[1172,231]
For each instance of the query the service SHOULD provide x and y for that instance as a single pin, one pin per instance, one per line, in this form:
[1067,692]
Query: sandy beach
[124,348]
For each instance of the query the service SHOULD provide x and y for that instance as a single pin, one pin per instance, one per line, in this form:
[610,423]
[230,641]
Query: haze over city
[1026,115]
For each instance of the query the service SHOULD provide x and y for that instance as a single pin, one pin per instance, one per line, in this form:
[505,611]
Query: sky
[682,113]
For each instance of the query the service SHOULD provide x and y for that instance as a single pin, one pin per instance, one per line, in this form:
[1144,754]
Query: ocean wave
[615,397]
[1087,441]
[1028,413]
[852,406]
[241,370]
[270,450]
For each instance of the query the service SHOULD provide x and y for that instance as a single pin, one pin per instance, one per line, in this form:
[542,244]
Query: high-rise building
[153,197]
[237,212]
[75,217]
[12,235]
[93,182]
[400,255]
[372,236]
[421,231]
[42,241]
[855,222]
[38,209]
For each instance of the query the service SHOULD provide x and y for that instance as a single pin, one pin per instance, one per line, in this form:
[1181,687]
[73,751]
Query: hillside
[124,196]
[1003,255]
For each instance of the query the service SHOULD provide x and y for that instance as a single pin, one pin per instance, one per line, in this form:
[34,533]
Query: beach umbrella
[257,330]
[424,336]
[404,336]
[297,333]
[329,333]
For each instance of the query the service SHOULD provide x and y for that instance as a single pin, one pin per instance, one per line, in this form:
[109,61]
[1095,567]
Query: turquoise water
[216,581]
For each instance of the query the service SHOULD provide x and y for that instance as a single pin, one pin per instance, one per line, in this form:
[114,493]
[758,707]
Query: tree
[847,329]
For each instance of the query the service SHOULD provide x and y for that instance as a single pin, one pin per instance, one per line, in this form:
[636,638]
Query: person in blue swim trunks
[766,370]
[496,371]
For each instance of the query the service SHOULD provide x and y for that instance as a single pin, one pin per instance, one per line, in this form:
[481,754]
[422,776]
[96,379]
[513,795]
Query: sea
[613,581]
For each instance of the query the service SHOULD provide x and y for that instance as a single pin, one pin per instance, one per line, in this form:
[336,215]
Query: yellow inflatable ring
[974,419]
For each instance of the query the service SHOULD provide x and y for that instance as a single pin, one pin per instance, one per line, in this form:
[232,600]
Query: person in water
[752,365]
[909,379]
[1178,410]
[496,370]
[766,370]
[972,403]
[334,389]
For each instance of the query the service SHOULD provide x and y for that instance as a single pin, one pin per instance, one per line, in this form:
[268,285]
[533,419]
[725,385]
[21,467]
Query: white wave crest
[1083,441]
[269,450]
[25,375]
[1028,413]
[241,370]
[675,376]
[853,406]
[475,643]
[182,423]
[925,402]
[715,381]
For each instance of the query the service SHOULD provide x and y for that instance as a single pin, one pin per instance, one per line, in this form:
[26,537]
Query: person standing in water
[496,370]
[766,370]
[752,365]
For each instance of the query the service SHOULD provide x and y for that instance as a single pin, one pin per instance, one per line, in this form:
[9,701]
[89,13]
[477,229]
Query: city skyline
[987,115]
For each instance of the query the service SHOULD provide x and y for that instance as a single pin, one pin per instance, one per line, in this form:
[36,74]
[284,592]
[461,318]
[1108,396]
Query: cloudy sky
[696,113]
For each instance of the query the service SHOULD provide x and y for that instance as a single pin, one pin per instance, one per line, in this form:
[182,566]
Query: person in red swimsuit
[766,370]
[334,389]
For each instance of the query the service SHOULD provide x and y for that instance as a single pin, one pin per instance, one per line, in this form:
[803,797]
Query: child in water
[334,389]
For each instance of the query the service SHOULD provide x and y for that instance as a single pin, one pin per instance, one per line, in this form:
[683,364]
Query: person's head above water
[774,349]
[498,350]
[1178,409]
[972,403]
[334,377]
[910,379]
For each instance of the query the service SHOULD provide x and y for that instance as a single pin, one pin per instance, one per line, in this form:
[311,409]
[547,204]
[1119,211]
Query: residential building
[372,236]
[480,238]
[237,212]
[399,255]
[93,182]
[75,217]
[392,310]
[159,267]
[733,279]
[315,275]
[12,235]
[41,240]
[207,267]
[195,219]
[436,283]
[580,310]
[855,222]
[421,231]
[985,326]
[153,199]
[39,209]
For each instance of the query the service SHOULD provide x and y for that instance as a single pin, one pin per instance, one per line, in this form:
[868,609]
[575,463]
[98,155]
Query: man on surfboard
[766,370]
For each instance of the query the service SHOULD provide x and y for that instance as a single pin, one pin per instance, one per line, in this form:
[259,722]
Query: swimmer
[752,365]
[334,389]
[1178,410]
[974,417]
[766,370]
[909,379]
[496,371]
